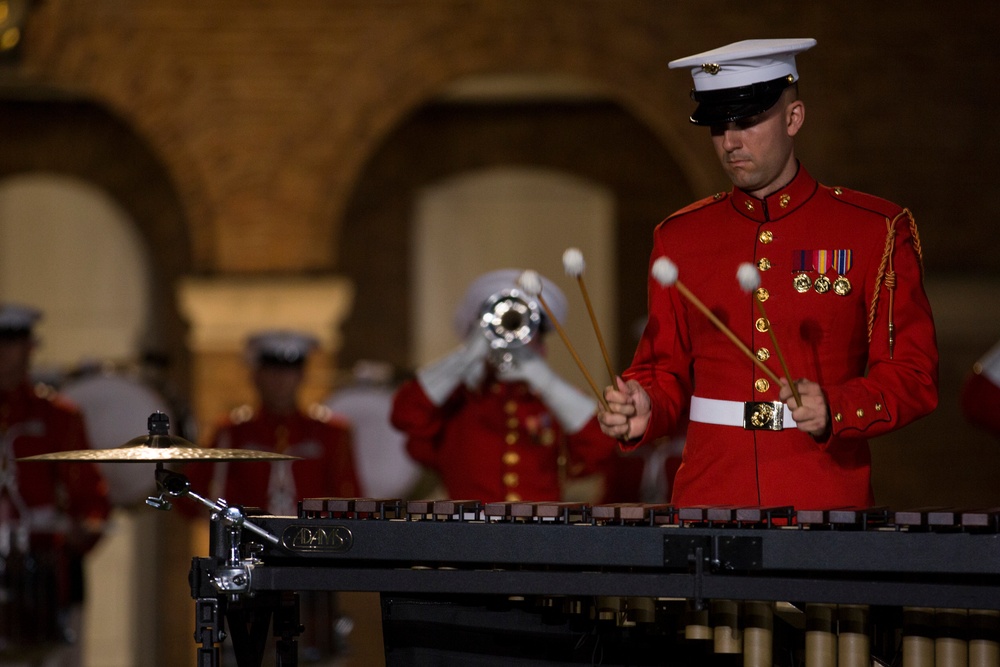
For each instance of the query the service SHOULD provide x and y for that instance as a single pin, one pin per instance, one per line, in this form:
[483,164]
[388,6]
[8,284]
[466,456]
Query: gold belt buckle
[763,415]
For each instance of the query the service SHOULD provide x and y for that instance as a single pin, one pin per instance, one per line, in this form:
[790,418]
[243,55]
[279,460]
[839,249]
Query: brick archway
[79,138]
[594,139]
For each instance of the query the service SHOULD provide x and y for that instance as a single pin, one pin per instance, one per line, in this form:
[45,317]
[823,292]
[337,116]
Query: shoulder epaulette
[700,204]
[48,393]
[322,413]
[882,207]
[241,414]
[319,412]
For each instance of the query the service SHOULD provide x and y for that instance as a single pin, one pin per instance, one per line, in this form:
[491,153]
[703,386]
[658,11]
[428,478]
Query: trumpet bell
[509,319]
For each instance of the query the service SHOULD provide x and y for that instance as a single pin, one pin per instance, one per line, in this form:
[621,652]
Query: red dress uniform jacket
[326,468]
[871,347]
[33,423]
[496,443]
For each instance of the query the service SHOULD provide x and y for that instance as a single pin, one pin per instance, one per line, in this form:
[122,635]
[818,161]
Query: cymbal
[159,445]
[152,448]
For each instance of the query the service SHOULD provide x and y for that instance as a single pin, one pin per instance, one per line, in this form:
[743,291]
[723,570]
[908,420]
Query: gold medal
[802,283]
[841,286]
[822,285]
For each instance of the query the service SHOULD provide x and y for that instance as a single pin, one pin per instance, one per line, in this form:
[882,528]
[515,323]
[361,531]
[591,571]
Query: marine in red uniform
[841,277]
[496,429]
[278,424]
[54,512]
[980,397]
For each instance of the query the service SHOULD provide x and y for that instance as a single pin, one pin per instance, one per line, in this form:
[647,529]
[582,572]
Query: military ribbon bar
[800,261]
[842,260]
[821,260]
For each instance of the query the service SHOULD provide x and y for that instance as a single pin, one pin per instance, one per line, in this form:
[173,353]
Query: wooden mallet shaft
[597,329]
[777,350]
[724,329]
[572,351]
[749,279]
[573,265]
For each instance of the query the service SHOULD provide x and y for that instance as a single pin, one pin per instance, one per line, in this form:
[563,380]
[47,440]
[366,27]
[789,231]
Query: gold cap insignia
[711,68]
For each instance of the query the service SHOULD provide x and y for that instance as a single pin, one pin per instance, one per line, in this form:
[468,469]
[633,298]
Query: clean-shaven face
[757,152]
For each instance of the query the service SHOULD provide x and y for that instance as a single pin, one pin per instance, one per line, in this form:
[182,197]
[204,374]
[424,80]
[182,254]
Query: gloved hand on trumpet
[466,364]
[506,344]
[496,324]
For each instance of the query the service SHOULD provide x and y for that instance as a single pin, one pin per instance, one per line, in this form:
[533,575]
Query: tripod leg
[286,630]
[208,631]
[249,621]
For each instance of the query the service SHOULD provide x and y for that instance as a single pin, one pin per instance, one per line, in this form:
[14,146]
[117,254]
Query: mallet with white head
[573,264]
[531,283]
[665,272]
[749,279]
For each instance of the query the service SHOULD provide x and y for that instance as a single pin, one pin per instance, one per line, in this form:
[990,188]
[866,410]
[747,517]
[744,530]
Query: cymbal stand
[230,577]
[234,578]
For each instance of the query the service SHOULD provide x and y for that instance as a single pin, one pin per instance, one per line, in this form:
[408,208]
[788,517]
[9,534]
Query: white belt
[752,415]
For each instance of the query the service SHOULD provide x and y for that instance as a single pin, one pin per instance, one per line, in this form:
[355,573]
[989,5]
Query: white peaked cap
[280,347]
[742,79]
[18,318]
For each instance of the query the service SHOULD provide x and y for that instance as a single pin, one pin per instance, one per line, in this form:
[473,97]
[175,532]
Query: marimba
[646,584]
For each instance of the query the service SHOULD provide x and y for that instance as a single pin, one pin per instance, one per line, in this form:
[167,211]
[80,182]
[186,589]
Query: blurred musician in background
[278,423]
[499,424]
[842,276]
[980,397]
[51,513]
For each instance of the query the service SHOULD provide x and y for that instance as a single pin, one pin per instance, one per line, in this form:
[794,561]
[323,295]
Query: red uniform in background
[497,442]
[51,515]
[40,422]
[51,512]
[323,442]
[838,268]
[324,467]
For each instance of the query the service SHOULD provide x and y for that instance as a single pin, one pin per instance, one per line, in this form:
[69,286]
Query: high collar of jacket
[778,204]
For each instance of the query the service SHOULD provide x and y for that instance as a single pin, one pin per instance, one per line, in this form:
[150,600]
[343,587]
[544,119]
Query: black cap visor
[281,360]
[732,104]
[16,333]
